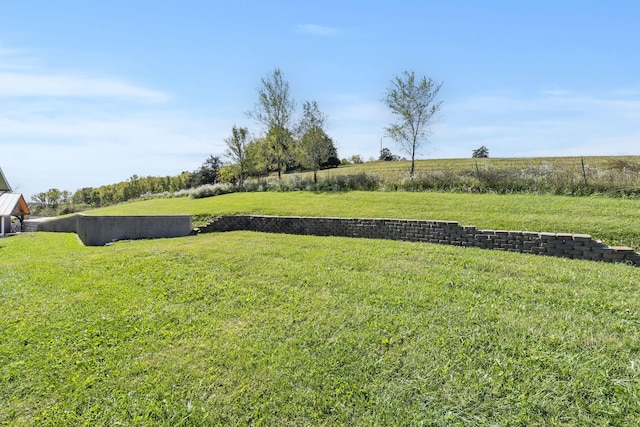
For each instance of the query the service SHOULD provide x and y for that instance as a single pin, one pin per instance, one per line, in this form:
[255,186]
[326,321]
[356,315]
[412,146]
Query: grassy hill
[577,176]
[613,220]
[558,171]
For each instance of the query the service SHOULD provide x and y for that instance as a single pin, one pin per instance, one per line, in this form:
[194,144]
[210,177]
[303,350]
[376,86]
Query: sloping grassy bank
[571,166]
[615,221]
[614,176]
[256,329]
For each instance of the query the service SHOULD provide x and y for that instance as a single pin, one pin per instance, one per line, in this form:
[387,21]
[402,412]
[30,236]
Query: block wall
[94,230]
[577,246]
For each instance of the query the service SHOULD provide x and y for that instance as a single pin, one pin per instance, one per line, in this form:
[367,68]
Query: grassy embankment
[468,165]
[614,176]
[617,176]
[614,221]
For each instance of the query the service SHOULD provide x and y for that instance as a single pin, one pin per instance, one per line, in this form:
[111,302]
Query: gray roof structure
[4,185]
[13,204]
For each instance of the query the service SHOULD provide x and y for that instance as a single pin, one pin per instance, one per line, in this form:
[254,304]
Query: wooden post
[584,172]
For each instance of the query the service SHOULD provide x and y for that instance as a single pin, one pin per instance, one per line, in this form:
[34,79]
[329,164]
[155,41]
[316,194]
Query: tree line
[287,143]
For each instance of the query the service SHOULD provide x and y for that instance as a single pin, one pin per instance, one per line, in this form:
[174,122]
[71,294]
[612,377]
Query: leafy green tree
[54,197]
[229,173]
[277,149]
[275,109]
[414,104]
[207,174]
[96,199]
[131,189]
[178,182]
[237,145]
[386,155]
[333,161]
[40,199]
[356,159]
[127,190]
[82,196]
[480,152]
[258,162]
[49,199]
[315,147]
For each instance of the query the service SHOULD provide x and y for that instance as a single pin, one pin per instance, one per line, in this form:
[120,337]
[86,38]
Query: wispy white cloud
[23,75]
[349,107]
[6,52]
[76,150]
[557,92]
[557,101]
[74,85]
[317,30]
[356,124]
[74,129]
[550,123]
[15,60]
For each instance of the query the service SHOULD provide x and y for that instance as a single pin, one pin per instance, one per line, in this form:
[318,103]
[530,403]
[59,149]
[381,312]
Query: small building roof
[4,185]
[13,204]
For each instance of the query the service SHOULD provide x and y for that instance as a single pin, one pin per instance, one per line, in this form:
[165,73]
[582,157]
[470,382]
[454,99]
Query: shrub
[623,165]
[161,195]
[363,182]
[357,182]
[209,190]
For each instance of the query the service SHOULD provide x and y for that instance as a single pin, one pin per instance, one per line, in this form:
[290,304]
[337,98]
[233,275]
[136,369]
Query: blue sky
[94,92]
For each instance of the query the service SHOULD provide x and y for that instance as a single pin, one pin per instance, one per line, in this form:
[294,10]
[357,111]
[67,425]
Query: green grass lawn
[257,329]
[247,328]
[614,221]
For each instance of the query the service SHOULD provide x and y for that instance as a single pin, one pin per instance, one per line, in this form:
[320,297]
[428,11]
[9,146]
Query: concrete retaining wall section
[100,230]
[67,224]
[577,246]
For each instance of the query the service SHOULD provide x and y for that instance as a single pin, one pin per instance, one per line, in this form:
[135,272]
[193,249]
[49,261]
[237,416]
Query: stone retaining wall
[577,246]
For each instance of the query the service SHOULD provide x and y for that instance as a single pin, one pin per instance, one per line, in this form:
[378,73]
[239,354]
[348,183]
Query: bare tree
[274,109]
[414,104]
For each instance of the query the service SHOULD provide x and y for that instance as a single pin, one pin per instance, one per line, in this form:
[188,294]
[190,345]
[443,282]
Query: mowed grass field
[614,221]
[248,328]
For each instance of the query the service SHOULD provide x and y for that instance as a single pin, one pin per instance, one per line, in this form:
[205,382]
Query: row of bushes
[360,182]
[543,179]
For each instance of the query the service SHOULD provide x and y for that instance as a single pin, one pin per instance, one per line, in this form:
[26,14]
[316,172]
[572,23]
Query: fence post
[584,171]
